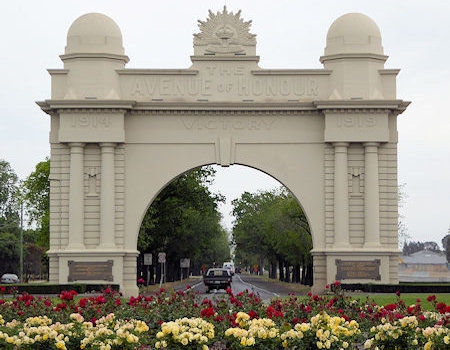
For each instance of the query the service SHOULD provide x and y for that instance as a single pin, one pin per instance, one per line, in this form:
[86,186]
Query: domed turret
[354,33]
[93,54]
[94,33]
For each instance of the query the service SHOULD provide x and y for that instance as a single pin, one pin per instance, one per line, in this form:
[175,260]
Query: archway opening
[211,215]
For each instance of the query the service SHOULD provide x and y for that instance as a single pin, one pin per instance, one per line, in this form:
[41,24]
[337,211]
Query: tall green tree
[9,219]
[184,222]
[36,195]
[271,227]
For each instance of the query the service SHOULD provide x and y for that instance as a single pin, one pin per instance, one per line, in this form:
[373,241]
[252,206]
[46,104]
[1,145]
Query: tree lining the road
[184,222]
[272,230]
[12,194]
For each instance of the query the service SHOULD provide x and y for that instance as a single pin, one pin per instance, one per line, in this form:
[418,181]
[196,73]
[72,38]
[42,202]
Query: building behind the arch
[118,136]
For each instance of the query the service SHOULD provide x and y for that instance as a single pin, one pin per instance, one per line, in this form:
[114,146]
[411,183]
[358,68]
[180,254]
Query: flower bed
[184,320]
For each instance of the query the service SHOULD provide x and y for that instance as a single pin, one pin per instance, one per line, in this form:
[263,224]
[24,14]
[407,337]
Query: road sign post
[184,264]
[148,260]
[161,260]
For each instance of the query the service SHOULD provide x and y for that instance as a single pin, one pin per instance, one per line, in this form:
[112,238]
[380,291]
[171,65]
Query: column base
[76,246]
[372,245]
[107,246]
[342,245]
[129,291]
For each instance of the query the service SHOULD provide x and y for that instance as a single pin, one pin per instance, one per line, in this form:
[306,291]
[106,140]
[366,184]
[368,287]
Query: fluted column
[107,200]
[371,196]
[341,217]
[76,196]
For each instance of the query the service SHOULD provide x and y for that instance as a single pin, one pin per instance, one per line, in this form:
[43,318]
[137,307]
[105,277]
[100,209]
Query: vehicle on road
[218,278]
[9,278]
[229,266]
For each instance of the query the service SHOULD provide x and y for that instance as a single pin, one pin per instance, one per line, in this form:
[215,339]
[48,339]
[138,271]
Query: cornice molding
[225,58]
[292,72]
[228,112]
[110,56]
[347,105]
[388,71]
[352,56]
[154,107]
[137,71]
[57,71]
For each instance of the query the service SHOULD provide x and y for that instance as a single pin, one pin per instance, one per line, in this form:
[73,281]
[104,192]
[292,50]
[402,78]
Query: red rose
[252,314]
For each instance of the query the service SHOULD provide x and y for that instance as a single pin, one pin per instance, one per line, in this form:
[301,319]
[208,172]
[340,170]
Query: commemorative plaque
[90,270]
[366,270]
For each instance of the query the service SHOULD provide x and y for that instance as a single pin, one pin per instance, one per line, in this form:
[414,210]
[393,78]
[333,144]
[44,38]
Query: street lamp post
[21,241]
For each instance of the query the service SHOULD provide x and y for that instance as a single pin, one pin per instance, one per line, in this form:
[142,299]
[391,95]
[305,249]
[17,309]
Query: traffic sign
[185,263]
[148,259]
[161,257]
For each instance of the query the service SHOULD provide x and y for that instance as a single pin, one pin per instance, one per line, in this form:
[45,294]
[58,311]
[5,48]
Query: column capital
[107,144]
[371,144]
[76,144]
[341,144]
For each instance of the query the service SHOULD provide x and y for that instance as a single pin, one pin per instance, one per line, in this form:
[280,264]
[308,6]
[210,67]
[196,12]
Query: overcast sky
[290,34]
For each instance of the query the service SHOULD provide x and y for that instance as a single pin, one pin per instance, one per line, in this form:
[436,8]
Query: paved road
[239,284]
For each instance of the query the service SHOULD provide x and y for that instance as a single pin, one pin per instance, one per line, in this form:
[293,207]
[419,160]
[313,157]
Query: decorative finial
[224,33]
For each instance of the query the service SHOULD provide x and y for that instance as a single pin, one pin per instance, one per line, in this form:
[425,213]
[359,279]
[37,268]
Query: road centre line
[255,287]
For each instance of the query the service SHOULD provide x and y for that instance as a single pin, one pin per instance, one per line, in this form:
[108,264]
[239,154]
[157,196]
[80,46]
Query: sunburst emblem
[224,32]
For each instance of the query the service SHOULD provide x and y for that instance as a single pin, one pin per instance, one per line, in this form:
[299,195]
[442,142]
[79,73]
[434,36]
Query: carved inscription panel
[90,271]
[91,127]
[367,270]
[356,127]
[222,83]
[231,124]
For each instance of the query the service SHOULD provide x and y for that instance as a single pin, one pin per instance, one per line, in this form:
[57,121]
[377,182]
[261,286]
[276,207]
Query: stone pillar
[341,216]
[371,196]
[76,196]
[107,196]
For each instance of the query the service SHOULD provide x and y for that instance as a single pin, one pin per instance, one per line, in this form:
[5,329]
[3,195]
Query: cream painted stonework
[118,136]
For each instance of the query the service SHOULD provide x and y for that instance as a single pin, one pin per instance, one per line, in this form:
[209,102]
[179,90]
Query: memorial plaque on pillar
[90,271]
[361,270]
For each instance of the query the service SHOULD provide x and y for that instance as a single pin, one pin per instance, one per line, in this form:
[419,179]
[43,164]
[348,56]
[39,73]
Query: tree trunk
[273,270]
[158,273]
[281,268]
[296,276]
[309,274]
[303,272]
[287,274]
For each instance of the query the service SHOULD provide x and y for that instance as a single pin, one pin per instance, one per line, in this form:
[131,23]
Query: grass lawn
[408,298]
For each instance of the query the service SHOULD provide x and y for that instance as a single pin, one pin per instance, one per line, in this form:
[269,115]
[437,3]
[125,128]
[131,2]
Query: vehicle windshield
[215,273]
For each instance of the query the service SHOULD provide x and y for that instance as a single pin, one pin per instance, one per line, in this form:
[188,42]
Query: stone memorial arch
[118,136]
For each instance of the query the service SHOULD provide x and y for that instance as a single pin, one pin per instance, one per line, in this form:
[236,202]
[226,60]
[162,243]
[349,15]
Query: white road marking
[255,287]
[195,285]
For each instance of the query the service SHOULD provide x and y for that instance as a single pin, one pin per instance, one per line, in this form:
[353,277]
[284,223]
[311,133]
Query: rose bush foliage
[186,320]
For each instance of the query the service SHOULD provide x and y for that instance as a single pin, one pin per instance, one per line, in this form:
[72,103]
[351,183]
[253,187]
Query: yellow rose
[61,345]
[159,335]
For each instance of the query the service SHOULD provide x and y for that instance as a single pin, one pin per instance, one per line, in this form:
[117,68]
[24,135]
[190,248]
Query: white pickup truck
[230,267]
